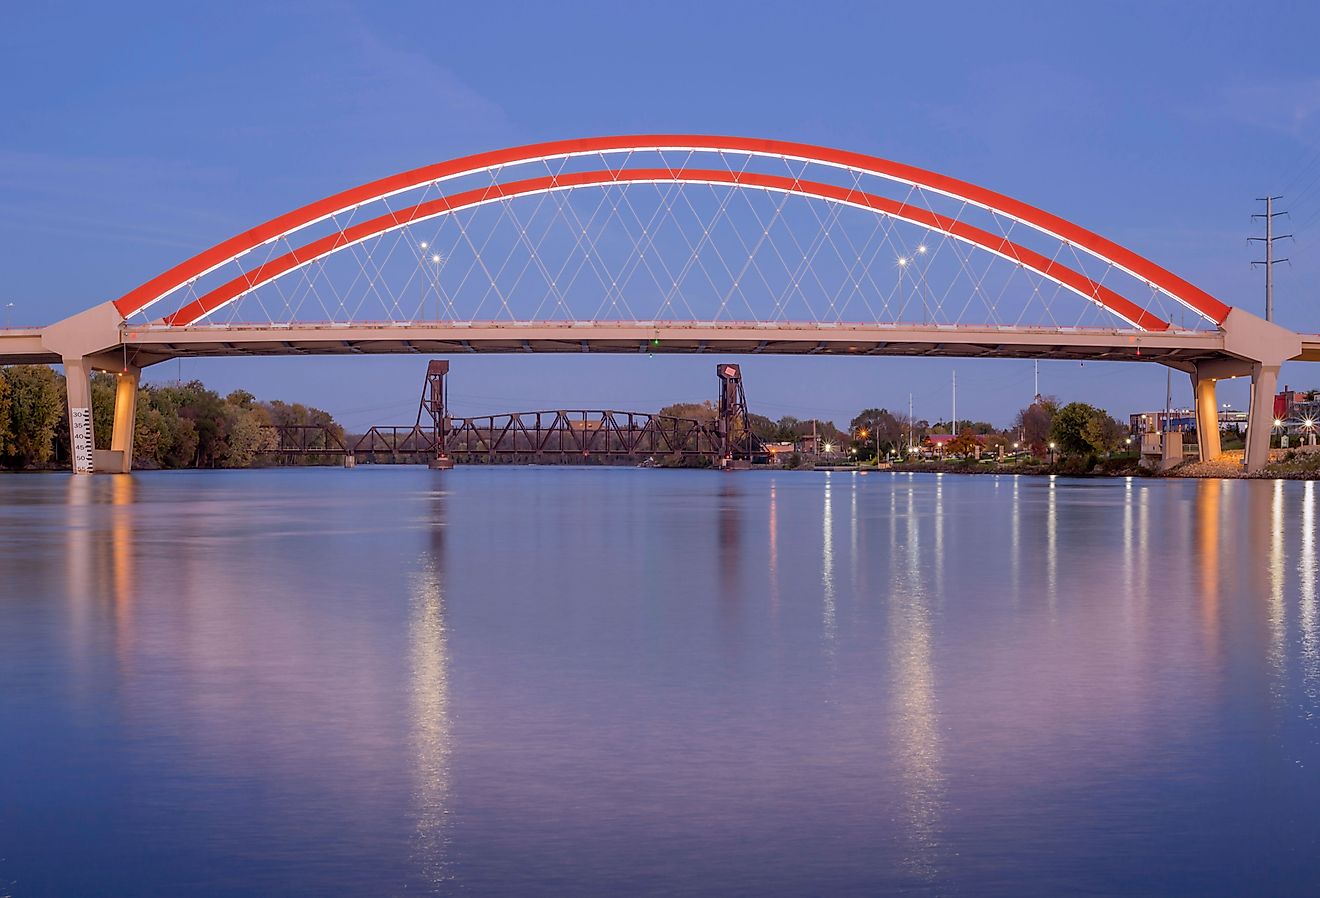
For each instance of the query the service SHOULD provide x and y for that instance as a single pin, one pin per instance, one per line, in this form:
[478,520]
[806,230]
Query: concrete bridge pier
[1205,379]
[1260,416]
[1206,403]
[1254,348]
[118,459]
[78,386]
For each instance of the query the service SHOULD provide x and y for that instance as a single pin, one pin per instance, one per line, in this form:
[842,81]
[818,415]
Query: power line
[1269,262]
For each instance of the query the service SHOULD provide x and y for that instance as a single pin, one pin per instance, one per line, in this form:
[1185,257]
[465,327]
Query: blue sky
[133,136]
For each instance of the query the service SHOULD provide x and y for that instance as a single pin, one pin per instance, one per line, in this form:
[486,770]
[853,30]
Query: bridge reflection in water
[509,680]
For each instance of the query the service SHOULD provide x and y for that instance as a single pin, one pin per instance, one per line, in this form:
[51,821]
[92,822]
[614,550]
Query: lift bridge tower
[733,426]
[435,404]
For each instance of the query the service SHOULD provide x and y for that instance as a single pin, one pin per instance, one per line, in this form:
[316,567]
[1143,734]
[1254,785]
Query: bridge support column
[1207,416]
[1260,416]
[121,439]
[78,386]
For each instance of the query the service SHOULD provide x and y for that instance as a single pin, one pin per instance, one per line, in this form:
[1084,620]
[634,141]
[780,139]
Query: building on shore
[1183,420]
[1297,412]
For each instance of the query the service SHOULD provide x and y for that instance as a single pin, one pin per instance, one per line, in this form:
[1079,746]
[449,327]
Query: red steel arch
[1136,265]
[1078,283]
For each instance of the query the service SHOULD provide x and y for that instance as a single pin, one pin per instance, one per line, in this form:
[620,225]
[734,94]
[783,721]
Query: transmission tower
[1269,261]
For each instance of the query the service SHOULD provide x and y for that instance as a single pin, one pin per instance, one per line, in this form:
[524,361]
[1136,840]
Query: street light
[1051,453]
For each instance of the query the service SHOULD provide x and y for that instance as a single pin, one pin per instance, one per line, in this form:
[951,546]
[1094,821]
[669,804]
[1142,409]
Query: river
[523,681]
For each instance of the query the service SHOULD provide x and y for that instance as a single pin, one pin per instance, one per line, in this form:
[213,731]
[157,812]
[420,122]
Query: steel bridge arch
[311,252]
[1202,303]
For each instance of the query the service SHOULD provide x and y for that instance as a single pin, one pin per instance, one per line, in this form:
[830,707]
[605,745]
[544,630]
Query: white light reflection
[1015,513]
[917,748]
[431,727]
[1129,571]
[774,551]
[1206,554]
[1307,611]
[939,534]
[1278,654]
[1052,544]
[854,555]
[827,561]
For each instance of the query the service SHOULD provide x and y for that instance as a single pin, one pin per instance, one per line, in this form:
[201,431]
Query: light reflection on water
[613,681]
[430,713]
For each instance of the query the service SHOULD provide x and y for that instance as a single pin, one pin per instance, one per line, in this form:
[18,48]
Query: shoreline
[1188,470]
[1224,469]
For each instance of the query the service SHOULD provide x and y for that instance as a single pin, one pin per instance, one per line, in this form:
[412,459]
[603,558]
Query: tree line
[178,425]
[187,425]
[1074,429]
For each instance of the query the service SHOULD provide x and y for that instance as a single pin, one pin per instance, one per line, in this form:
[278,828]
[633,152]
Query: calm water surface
[585,681]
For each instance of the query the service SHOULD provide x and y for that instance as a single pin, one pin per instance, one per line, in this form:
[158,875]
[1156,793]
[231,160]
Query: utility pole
[1269,215]
[1168,397]
[1037,399]
[955,402]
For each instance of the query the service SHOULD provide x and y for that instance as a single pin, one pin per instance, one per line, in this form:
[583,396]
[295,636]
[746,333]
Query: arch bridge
[668,244]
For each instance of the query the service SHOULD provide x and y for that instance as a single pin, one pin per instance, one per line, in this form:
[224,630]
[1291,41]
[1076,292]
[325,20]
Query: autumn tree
[964,444]
[1033,422]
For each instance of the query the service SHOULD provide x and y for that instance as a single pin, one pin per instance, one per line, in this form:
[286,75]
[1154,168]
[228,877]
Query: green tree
[248,437]
[1103,433]
[6,431]
[883,429]
[1068,429]
[103,408]
[786,428]
[36,405]
[763,427]
[153,432]
[702,411]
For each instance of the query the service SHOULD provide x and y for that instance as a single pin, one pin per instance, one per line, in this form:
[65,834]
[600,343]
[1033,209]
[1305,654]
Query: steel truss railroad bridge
[559,435]
[674,244]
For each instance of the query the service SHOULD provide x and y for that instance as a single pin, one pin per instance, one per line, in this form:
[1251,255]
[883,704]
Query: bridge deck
[156,343]
[22,346]
[728,338]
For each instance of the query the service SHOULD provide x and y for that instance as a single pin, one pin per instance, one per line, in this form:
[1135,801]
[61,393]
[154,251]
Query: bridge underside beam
[1181,349]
